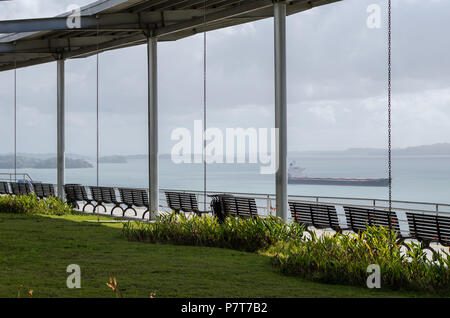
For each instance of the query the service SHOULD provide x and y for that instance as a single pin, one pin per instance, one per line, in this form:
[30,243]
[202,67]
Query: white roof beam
[52,45]
[214,17]
[107,21]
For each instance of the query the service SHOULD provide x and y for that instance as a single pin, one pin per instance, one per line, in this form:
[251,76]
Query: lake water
[414,178]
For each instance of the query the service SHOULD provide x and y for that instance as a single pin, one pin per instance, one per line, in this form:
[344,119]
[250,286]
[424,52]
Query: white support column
[281,110]
[61,129]
[152,47]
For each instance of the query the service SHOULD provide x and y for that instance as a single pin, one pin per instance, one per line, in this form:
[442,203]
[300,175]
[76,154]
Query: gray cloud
[336,82]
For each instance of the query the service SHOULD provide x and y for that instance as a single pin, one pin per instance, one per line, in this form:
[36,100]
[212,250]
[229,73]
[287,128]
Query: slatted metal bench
[4,188]
[19,188]
[44,190]
[104,195]
[243,207]
[133,198]
[359,218]
[319,216]
[77,193]
[428,228]
[183,202]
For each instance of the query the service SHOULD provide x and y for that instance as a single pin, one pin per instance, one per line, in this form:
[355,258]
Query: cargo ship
[296,176]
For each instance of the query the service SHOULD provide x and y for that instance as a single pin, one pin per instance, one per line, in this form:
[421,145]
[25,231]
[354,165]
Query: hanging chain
[389,125]
[204,107]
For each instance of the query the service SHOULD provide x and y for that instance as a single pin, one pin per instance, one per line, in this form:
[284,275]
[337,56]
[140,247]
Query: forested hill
[7,162]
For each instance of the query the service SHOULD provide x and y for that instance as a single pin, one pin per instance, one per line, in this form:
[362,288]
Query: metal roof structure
[112,24]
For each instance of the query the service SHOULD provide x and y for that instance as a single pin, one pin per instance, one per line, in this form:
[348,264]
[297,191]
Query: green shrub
[30,204]
[235,233]
[344,258]
[336,259]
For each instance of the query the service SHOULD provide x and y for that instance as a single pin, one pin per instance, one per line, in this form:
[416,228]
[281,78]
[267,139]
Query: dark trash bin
[217,206]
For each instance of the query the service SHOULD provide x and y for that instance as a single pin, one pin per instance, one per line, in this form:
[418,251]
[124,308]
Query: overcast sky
[337,82]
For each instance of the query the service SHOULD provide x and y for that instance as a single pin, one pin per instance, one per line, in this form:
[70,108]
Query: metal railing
[266,202]
[14,177]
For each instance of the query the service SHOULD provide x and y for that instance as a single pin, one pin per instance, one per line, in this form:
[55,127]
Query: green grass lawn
[36,250]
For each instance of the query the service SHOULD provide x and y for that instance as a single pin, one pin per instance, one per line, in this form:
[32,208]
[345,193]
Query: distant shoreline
[7,162]
[75,161]
[33,163]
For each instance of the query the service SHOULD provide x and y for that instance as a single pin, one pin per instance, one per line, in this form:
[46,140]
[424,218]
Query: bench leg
[99,204]
[425,245]
[129,208]
[73,204]
[117,207]
[88,203]
[401,242]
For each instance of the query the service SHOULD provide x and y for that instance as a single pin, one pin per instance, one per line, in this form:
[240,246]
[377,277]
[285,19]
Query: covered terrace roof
[112,24]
